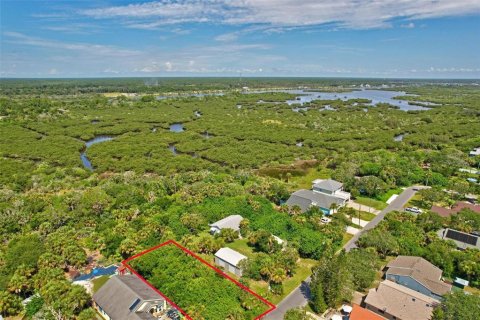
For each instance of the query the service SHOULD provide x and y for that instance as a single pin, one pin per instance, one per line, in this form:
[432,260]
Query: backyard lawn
[241,246]
[305,181]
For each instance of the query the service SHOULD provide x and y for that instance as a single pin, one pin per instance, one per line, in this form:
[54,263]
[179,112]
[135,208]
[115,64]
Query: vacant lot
[195,287]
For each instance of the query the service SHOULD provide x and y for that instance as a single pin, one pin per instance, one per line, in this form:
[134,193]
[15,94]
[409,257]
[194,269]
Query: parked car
[413,210]
[326,220]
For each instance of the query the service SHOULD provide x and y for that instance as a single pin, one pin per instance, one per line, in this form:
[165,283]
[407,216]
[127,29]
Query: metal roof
[305,198]
[231,256]
[231,222]
[329,184]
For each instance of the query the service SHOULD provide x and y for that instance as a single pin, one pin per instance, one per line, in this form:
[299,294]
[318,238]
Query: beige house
[396,302]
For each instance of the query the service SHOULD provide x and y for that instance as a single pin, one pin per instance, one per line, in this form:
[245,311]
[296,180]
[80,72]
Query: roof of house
[231,256]
[231,222]
[421,270]
[400,301]
[457,207]
[359,313]
[120,293]
[305,198]
[328,184]
[462,239]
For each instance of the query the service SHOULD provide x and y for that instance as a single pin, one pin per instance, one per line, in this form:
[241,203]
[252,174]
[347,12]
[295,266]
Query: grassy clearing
[384,197]
[241,246]
[371,203]
[367,216]
[305,181]
[99,282]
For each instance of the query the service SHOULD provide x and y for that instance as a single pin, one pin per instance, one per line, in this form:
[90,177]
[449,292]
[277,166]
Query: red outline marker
[223,274]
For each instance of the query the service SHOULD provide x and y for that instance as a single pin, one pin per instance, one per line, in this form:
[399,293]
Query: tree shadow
[305,290]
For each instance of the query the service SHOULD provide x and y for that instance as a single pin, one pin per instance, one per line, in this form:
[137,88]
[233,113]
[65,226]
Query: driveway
[299,297]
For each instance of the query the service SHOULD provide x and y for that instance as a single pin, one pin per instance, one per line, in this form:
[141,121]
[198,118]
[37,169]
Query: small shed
[229,260]
[461,283]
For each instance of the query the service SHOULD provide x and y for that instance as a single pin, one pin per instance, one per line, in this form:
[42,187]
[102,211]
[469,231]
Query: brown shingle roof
[400,301]
[445,212]
[120,293]
[421,270]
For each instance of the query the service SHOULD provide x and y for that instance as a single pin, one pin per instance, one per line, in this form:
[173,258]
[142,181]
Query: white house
[330,187]
[325,194]
[229,260]
[230,222]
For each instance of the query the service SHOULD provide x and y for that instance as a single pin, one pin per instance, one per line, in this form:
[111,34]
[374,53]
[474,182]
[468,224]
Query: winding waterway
[83,155]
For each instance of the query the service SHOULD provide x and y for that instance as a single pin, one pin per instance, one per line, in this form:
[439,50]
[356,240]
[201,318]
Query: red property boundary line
[223,274]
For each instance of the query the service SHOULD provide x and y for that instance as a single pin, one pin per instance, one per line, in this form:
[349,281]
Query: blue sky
[341,38]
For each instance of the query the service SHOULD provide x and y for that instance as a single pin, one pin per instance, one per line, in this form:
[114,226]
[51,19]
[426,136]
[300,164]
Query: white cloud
[53,71]
[168,66]
[410,25]
[284,13]
[227,37]
[94,49]
[109,70]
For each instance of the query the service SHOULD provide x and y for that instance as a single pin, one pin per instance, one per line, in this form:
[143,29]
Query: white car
[326,220]
[414,210]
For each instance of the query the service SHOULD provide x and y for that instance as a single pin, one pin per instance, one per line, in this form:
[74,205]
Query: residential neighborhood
[393,301]
[327,195]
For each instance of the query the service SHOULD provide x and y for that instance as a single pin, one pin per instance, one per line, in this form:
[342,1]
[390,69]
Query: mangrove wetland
[93,171]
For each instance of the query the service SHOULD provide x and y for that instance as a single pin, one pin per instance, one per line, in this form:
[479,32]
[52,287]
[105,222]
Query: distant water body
[375,96]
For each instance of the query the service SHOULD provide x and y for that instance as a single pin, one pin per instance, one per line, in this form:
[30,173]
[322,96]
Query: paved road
[396,204]
[299,297]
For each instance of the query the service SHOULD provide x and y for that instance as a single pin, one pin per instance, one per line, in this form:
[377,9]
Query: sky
[249,38]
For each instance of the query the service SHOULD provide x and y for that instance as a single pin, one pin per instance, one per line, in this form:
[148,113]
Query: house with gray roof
[126,297]
[330,187]
[418,274]
[230,222]
[308,198]
[229,260]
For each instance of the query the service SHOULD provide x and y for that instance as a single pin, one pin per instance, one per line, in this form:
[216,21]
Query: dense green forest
[239,154]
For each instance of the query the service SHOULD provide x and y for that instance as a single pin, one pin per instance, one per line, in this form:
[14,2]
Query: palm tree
[278,275]
[333,207]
